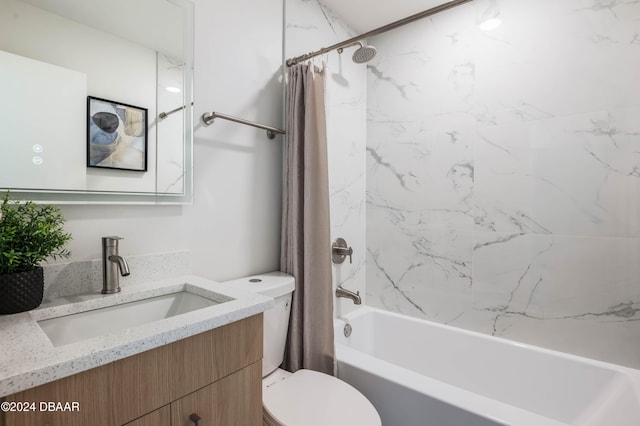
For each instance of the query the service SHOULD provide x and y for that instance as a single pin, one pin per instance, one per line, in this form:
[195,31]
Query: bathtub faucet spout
[343,292]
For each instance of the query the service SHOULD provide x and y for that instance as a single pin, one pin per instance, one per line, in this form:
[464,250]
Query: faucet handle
[111,241]
[340,250]
[350,252]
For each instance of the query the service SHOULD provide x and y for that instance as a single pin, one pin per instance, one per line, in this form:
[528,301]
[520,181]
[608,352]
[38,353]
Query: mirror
[97,97]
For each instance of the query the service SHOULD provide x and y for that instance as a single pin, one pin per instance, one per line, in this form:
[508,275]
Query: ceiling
[366,15]
[155,24]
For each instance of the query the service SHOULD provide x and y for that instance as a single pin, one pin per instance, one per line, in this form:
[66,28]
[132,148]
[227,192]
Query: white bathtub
[421,373]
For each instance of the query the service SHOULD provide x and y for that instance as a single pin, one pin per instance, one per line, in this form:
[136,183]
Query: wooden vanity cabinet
[159,417]
[216,375]
[224,402]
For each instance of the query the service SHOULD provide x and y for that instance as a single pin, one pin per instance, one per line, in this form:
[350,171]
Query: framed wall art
[116,135]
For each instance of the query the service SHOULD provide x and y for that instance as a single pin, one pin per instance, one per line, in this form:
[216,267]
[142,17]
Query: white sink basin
[85,325]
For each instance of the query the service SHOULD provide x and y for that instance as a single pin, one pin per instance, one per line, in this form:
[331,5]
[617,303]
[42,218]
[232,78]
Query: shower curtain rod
[209,117]
[409,19]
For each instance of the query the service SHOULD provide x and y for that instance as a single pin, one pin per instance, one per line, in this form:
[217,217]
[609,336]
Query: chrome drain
[347,330]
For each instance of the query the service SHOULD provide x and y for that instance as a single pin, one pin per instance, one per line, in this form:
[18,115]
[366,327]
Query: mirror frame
[141,198]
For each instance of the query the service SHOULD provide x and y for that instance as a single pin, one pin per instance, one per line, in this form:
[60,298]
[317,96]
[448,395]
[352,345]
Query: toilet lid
[310,398]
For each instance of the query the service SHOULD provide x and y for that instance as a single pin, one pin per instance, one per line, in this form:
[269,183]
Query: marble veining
[503,174]
[380,76]
[395,284]
[607,5]
[378,159]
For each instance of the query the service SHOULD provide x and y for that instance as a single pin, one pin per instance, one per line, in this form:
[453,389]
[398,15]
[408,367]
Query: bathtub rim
[463,399]
[363,310]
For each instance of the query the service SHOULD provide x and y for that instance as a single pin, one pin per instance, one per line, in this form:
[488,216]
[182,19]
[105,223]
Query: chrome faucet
[343,292]
[113,265]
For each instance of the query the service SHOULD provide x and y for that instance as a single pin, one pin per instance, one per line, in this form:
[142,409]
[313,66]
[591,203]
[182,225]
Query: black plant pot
[21,291]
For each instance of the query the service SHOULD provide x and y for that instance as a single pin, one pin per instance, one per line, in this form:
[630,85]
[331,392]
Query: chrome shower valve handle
[340,250]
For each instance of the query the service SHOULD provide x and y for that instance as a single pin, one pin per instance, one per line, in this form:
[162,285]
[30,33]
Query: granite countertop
[28,358]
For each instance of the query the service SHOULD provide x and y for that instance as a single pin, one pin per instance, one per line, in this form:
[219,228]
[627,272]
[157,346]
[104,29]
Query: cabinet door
[160,417]
[232,401]
[112,394]
[205,358]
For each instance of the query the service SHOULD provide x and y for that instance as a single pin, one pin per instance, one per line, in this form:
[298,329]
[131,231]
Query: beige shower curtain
[305,247]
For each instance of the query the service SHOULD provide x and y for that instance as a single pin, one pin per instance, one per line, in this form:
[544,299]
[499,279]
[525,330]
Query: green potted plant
[29,234]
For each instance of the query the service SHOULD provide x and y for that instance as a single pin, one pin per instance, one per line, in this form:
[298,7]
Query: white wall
[235,221]
[502,174]
[233,226]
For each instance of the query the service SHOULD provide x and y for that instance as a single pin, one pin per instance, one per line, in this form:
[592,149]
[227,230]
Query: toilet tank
[279,286]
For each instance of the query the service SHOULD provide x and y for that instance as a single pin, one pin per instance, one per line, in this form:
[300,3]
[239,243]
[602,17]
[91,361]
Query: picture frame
[116,135]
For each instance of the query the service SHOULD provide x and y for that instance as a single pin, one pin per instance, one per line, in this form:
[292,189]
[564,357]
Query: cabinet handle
[197,421]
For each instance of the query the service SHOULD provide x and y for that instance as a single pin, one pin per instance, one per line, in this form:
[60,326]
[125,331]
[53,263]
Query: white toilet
[303,398]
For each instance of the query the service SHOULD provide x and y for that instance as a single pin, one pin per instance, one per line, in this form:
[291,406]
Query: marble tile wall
[310,26]
[503,173]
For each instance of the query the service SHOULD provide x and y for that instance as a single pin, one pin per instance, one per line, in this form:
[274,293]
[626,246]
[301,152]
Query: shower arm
[409,19]
[341,49]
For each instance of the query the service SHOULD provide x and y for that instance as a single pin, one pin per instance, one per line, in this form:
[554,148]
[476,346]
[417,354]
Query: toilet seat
[310,398]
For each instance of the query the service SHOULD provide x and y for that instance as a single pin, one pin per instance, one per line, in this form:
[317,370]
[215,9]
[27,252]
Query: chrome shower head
[362,54]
